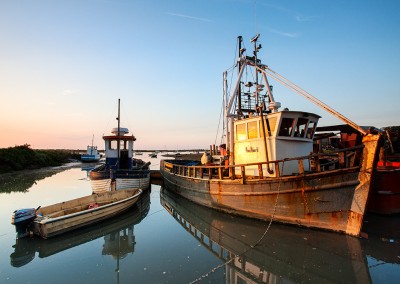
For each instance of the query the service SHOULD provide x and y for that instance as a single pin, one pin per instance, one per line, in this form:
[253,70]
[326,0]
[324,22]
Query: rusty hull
[333,200]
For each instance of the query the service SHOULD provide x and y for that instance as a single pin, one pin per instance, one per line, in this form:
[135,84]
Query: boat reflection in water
[118,233]
[285,254]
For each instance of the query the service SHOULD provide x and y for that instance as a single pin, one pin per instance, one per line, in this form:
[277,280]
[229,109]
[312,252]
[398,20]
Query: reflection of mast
[118,244]
[118,261]
[121,242]
[119,133]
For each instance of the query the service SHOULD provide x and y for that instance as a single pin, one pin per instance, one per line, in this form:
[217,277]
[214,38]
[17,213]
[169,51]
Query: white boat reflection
[287,254]
[118,233]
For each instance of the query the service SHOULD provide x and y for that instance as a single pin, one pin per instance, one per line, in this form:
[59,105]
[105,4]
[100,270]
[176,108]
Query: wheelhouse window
[271,123]
[301,127]
[252,128]
[286,126]
[311,129]
[241,132]
[114,144]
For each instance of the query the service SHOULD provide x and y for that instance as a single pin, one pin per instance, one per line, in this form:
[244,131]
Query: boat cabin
[91,155]
[92,150]
[119,149]
[286,134]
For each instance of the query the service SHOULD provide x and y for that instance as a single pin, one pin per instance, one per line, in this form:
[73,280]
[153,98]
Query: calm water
[165,239]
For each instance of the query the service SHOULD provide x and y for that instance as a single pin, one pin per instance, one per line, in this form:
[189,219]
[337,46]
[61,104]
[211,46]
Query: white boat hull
[141,183]
[104,185]
[100,185]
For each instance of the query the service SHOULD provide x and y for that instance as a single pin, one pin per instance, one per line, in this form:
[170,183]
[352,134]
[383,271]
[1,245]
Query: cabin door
[124,160]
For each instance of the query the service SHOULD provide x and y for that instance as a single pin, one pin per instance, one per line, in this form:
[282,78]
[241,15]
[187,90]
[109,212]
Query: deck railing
[343,158]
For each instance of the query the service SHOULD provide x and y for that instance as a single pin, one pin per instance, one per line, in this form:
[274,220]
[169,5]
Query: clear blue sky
[64,64]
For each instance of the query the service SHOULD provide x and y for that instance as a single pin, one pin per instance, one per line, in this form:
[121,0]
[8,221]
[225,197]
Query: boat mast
[118,139]
[256,49]
[228,121]
[239,91]
[91,149]
[260,107]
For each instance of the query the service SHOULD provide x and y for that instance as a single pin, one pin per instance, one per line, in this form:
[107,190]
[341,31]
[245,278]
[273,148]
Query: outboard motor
[22,218]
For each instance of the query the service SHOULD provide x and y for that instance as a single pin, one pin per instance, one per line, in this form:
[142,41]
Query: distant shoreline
[23,159]
[196,157]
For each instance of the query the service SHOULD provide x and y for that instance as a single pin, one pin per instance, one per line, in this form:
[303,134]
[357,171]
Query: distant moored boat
[91,155]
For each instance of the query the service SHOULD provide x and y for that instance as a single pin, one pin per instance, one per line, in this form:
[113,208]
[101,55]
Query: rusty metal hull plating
[333,200]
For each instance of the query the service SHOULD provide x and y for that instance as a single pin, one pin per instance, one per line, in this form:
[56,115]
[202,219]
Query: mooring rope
[274,211]
[251,246]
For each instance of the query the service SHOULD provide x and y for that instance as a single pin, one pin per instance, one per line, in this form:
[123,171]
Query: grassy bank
[24,158]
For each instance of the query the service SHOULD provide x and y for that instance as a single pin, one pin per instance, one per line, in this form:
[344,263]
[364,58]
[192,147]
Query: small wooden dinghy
[69,215]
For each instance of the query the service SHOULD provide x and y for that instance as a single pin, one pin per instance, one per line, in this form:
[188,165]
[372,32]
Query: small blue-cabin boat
[91,155]
[121,170]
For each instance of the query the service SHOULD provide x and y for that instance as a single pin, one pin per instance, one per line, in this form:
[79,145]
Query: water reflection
[118,233]
[21,181]
[285,254]
[87,168]
[18,182]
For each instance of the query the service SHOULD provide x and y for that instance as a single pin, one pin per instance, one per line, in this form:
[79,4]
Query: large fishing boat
[266,169]
[121,170]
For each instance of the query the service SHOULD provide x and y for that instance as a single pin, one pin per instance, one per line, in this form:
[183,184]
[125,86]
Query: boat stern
[23,219]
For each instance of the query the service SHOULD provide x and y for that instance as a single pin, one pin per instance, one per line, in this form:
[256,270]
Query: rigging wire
[229,70]
[255,17]
[222,106]
[219,123]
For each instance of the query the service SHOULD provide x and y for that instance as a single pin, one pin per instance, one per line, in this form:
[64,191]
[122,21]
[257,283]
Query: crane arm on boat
[265,70]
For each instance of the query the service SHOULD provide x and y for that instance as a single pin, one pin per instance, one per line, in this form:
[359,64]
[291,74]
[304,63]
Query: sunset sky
[65,63]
